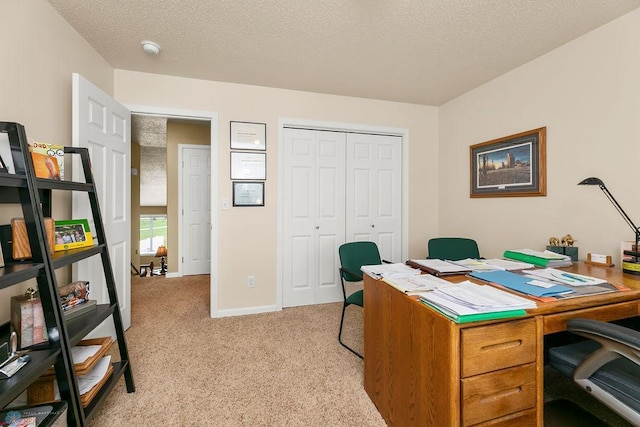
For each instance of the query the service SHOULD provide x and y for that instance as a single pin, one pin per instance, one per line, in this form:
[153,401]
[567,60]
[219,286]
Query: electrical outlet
[251,281]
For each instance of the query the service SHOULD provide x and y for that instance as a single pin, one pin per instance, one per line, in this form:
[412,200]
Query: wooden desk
[422,369]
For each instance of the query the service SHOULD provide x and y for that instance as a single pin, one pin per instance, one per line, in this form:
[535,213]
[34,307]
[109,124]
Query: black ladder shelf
[35,197]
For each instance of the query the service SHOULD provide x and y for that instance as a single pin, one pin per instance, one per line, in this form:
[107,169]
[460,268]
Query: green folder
[531,259]
[467,318]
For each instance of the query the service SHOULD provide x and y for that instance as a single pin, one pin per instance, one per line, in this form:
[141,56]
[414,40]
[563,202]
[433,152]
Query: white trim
[172,275]
[284,122]
[247,310]
[213,118]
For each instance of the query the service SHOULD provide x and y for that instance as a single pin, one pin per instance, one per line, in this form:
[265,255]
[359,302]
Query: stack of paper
[389,270]
[505,264]
[469,302]
[541,259]
[417,283]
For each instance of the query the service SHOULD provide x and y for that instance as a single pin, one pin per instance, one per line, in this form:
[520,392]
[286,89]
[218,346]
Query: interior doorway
[158,198]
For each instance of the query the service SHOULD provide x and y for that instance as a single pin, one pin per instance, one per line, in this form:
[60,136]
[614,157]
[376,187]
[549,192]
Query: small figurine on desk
[568,240]
[554,241]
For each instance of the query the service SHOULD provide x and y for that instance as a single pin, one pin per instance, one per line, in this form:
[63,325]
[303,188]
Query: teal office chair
[452,248]
[607,365]
[353,256]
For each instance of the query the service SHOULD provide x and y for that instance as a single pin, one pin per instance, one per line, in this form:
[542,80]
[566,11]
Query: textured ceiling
[149,131]
[418,51]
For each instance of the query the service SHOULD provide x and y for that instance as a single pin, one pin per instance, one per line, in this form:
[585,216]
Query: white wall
[587,94]
[247,243]
[39,53]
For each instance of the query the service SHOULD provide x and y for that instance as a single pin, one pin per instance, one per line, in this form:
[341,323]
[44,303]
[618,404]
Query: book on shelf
[80,309]
[42,151]
[537,258]
[438,267]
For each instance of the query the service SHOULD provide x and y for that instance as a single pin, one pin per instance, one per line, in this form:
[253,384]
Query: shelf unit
[35,197]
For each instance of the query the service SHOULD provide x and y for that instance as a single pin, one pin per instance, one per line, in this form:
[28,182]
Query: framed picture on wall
[248,193]
[248,136]
[512,166]
[248,165]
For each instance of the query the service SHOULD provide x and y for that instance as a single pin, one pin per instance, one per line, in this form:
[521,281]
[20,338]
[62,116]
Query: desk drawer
[493,347]
[606,313]
[500,393]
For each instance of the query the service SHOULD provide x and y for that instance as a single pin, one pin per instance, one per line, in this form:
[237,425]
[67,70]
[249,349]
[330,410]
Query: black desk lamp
[631,266]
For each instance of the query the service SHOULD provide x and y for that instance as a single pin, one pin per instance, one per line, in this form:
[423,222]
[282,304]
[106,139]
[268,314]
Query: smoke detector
[150,47]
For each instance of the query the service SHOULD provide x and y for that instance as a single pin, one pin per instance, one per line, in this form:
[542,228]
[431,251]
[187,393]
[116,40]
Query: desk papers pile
[389,270]
[415,284]
[469,302]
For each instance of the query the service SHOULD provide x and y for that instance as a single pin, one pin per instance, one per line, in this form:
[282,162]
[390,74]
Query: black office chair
[607,365]
[353,256]
[452,248]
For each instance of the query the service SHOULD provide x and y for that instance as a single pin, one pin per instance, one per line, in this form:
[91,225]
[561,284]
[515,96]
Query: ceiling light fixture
[150,47]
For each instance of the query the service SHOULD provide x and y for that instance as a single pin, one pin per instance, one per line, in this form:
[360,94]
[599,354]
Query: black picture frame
[248,193]
[248,165]
[11,136]
[512,166]
[248,136]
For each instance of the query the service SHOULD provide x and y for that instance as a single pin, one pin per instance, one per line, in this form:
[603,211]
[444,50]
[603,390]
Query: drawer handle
[501,395]
[502,345]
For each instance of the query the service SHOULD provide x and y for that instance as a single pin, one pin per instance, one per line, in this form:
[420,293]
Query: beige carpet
[276,369]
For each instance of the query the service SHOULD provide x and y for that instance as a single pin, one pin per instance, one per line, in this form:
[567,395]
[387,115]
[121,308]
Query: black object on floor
[564,413]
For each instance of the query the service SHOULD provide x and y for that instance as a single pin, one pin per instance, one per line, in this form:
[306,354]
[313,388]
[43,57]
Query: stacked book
[469,302]
[540,259]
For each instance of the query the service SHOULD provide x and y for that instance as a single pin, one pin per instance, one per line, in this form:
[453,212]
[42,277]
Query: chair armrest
[617,341]
[344,271]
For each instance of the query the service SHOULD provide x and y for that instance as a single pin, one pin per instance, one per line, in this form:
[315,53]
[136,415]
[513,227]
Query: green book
[467,318]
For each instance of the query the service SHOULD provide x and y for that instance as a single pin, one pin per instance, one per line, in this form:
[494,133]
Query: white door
[374,192]
[196,209]
[104,126]
[313,214]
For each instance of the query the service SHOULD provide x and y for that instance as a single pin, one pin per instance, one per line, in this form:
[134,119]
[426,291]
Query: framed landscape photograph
[72,234]
[513,166]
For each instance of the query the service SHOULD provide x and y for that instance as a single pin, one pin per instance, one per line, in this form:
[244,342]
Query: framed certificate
[248,194]
[248,165]
[248,136]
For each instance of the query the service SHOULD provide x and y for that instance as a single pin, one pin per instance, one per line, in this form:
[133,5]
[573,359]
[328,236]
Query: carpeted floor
[275,369]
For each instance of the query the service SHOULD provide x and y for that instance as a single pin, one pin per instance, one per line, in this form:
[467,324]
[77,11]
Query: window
[153,233]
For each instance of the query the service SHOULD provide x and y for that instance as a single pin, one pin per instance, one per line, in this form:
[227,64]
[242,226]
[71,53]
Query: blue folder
[519,283]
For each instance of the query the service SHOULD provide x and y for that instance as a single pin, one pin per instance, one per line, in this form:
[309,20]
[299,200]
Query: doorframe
[212,117]
[181,148]
[337,127]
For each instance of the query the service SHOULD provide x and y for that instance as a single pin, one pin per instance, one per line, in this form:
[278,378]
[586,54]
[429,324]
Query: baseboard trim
[174,274]
[246,310]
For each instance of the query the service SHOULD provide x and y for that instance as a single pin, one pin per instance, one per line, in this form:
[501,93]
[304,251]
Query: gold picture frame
[512,166]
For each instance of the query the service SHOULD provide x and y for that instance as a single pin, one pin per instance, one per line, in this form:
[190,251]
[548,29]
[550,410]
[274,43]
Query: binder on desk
[520,283]
[438,267]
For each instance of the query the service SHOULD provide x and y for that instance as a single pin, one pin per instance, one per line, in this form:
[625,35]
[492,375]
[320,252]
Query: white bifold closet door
[338,187]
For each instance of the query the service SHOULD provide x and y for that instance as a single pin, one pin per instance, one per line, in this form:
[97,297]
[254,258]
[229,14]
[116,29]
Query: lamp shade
[592,181]
[162,251]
